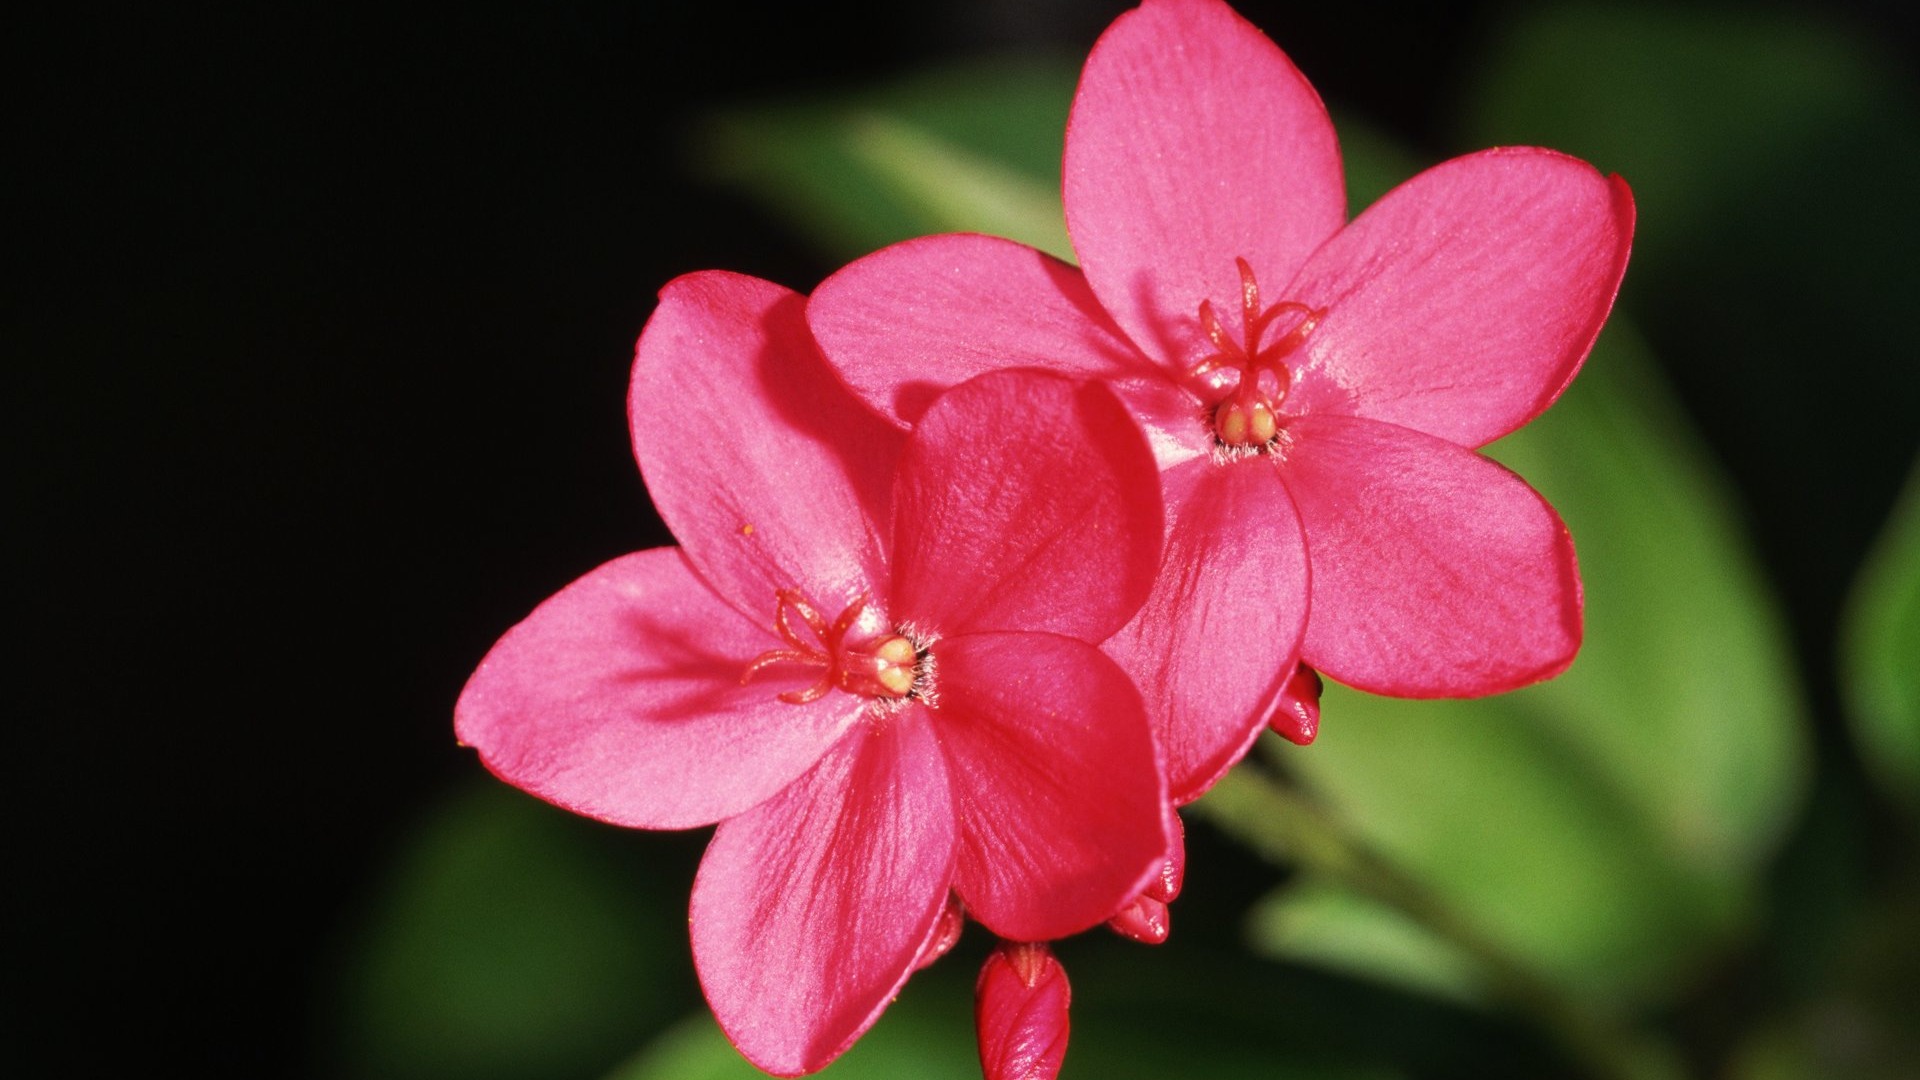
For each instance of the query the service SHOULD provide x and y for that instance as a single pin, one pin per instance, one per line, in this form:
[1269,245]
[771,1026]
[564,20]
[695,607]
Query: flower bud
[1145,920]
[1020,1012]
[1297,717]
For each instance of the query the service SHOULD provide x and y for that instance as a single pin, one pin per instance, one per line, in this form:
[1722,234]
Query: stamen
[1246,412]
[1217,333]
[889,667]
[1249,303]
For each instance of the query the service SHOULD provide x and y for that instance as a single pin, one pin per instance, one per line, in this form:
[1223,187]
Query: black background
[322,346]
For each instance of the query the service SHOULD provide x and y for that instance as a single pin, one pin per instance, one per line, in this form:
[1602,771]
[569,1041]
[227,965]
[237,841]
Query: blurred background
[320,340]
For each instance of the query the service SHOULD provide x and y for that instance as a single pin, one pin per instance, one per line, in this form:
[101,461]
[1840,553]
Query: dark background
[320,359]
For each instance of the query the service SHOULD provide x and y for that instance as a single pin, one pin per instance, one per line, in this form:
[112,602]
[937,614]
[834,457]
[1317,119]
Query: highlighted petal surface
[770,473]
[1217,638]
[620,698]
[1436,572]
[911,320]
[1463,301]
[1025,501]
[1193,141]
[810,910]
[1054,778]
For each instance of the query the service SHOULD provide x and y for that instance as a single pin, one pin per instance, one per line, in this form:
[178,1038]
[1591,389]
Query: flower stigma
[887,666]
[1247,416]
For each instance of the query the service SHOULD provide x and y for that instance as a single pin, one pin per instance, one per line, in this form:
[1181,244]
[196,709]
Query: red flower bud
[1020,1012]
[1145,920]
[1297,717]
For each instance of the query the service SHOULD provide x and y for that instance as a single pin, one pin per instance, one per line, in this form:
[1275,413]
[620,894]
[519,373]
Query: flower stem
[1285,826]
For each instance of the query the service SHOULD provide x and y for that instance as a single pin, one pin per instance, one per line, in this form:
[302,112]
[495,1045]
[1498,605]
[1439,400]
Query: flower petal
[1025,501]
[1193,141]
[768,472]
[810,910]
[1054,779]
[908,321]
[1436,572]
[620,698]
[1462,303]
[1216,640]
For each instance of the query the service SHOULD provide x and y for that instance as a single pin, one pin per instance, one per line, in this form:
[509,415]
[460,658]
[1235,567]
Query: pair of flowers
[988,562]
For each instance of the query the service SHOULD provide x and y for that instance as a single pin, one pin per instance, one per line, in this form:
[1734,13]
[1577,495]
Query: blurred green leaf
[975,148]
[1336,928]
[1606,826]
[929,1036]
[1882,653]
[908,1041]
[1685,694]
[505,946]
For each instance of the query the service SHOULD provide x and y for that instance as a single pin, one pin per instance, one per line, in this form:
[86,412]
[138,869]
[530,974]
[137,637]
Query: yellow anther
[897,659]
[1262,424]
[1231,424]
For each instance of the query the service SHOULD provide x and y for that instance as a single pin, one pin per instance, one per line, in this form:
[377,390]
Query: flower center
[887,666]
[1247,379]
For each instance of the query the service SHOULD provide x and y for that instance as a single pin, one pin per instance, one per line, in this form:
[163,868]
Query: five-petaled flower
[869,661]
[1315,389]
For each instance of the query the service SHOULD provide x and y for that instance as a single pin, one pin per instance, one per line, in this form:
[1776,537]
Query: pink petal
[768,472]
[620,698]
[810,910]
[1171,874]
[1054,779]
[1194,141]
[946,933]
[1436,572]
[911,320]
[1025,501]
[1463,302]
[1215,641]
[1177,426]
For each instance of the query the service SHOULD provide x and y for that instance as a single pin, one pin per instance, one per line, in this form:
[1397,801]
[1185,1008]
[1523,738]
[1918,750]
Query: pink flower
[868,661]
[1314,388]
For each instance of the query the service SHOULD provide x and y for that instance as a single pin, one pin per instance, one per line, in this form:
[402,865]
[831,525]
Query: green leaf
[975,148]
[908,1041]
[1881,653]
[507,945]
[1336,928]
[1607,826]
[928,1035]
